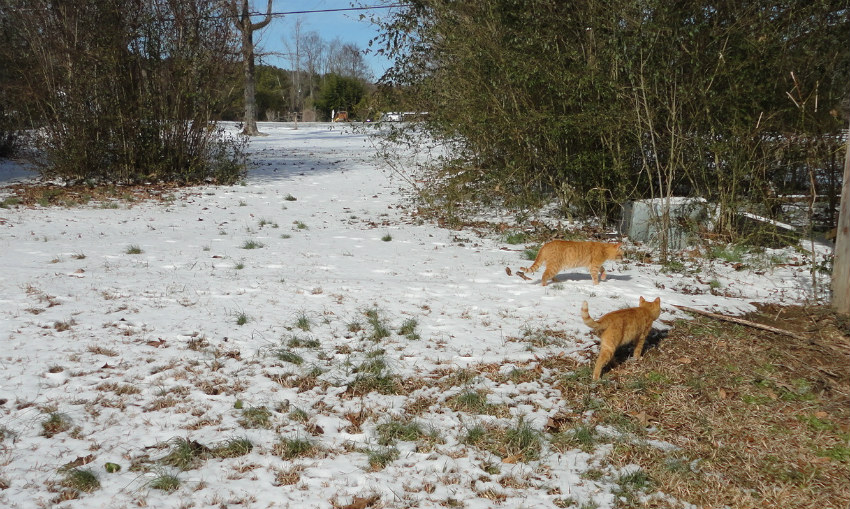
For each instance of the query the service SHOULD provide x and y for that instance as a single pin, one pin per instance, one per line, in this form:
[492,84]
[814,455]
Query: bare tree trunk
[242,20]
[841,263]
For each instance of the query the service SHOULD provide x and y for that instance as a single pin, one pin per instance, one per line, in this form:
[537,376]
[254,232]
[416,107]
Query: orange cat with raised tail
[567,254]
[621,327]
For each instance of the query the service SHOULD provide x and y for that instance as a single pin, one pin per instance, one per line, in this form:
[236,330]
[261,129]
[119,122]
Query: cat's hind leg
[605,355]
[594,274]
[548,275]
[640,342]
[602,274]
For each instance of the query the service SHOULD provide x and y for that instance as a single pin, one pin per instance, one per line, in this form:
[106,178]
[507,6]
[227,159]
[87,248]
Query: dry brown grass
[28,195]
[760,419]
[288,476]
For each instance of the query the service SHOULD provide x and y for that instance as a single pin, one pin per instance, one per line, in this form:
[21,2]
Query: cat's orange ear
[643,301]
[657,301]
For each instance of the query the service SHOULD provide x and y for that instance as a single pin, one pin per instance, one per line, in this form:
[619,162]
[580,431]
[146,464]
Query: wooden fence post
[841,262]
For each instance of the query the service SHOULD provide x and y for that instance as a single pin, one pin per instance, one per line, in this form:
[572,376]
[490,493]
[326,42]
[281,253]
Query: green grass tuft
[55,423]
[379,458]
[407,431]
[514,238]
[79,479]
[303,322]
[232,448]
[531,252]
[165,482]
[290,448]
[408,329]
[291,357]
[185,454]
[256,417]
[252,244]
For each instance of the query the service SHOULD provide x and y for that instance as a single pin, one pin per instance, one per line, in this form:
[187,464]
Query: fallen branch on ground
[741,321]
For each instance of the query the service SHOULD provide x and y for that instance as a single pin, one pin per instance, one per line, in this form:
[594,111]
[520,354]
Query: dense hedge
[597,102]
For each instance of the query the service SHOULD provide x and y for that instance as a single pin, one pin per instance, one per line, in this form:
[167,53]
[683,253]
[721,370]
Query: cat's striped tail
[538,261]
[590,322]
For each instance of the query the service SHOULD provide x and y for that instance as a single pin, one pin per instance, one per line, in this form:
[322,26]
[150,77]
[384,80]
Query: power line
[318,11]
[273,14]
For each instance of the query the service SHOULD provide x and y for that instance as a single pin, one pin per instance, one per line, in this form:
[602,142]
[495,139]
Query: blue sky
[329,25]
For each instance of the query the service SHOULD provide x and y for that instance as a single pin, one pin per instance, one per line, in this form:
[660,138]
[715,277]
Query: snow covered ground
[231,287]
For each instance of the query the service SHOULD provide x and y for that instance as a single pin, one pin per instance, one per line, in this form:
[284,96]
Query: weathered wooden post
[841,262]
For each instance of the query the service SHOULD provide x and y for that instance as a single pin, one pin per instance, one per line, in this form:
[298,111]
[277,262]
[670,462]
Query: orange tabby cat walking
[566,254]
[621,327]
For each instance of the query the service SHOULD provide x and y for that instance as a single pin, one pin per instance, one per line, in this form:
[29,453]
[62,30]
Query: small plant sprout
[380,457]
[514,238]
[471,401]
[387,238]
[298,415]
[242,318]
[165,482]
[185,454]
[299,342]
[252,244]
[408,329]
[232,448]
[289,448]
[303,322]
[407,431]
[631,483]
[474,434]
[55,423]
[531,253]
[256,417]
[300,225]
[133,249]
[291,357]
[10,202]
[379,329]
[81,480]
[289,197]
